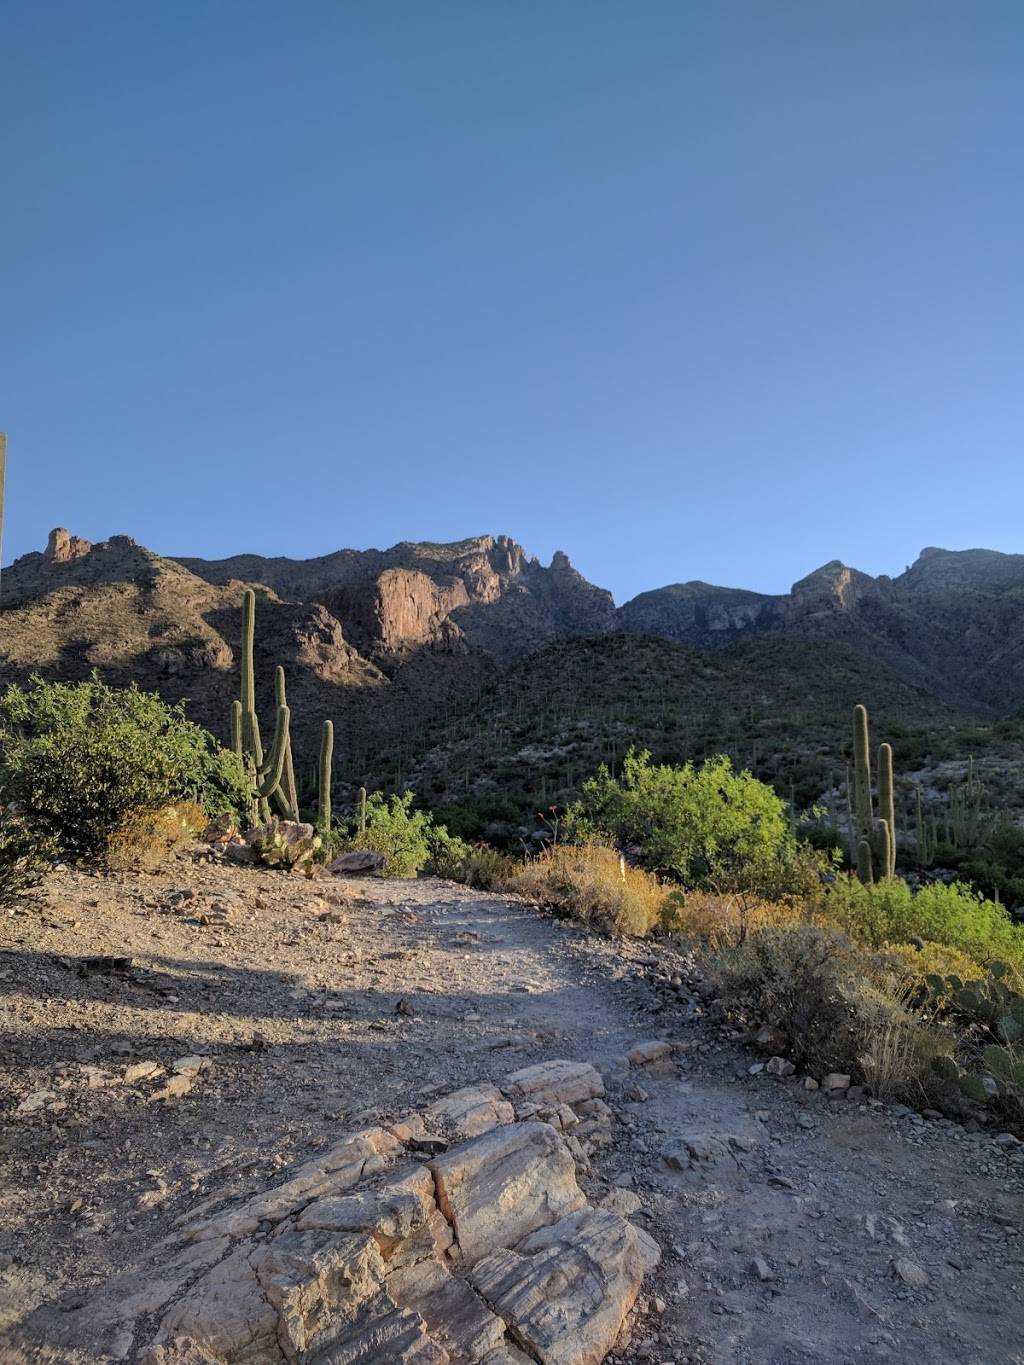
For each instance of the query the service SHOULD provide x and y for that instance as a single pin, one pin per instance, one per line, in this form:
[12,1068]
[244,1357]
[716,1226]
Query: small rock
[39,1099]
[910,1273]
[760,1267]
[778,1066]
[141,1071]
[191,1066]
[835,1081]
[430,1143]
[175,1088]
[810,1083]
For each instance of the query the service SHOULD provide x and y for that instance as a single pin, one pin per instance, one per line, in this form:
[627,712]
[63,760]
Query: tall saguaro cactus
[887,810]
[875,839]
[862,772]
[273,775]
[323,812]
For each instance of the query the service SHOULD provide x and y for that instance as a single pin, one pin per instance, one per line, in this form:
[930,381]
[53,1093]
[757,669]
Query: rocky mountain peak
[833,587]
[62,547]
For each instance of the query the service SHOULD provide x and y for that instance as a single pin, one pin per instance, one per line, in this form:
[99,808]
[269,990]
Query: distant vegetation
[910,986]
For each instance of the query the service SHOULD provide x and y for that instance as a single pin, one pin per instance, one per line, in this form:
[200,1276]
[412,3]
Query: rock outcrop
[489,1254]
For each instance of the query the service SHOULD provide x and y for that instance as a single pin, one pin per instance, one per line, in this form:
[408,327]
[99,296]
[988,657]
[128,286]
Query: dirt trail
[794,1228]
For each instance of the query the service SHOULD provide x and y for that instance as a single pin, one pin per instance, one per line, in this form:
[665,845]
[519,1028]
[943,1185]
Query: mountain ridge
[390,642]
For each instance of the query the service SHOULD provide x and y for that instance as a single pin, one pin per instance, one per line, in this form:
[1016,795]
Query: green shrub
[78,758]
[393,829]
[707,826]
[832,999]
[474,865]
[955,916]
[25,858]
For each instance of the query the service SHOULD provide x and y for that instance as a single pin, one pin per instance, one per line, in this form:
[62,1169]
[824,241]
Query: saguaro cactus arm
[270,778]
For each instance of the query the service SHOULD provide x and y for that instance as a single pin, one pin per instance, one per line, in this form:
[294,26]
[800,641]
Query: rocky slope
[952,622]
[401,647]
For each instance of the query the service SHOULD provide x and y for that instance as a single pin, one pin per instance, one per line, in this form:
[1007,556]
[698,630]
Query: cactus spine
[324,788]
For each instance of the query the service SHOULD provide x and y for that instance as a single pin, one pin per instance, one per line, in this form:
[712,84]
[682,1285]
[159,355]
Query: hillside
[472,669]
[536,730]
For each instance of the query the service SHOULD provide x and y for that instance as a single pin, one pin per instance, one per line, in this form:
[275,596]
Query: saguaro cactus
[273,775]
[876,839]
[886,810]
[862,772]
[286,795]
[324,786]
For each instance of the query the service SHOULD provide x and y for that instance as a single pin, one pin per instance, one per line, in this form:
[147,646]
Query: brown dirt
[321,1006]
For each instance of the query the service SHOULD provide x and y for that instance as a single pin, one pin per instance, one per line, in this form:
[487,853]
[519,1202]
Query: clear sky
[714,290]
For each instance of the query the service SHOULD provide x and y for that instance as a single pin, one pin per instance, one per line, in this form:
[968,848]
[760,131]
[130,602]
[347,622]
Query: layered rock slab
[487,1255]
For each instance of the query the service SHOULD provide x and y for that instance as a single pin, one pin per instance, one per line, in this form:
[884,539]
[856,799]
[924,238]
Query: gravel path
[284,1011]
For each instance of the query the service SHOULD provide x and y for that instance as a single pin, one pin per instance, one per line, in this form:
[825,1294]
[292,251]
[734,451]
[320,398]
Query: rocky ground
[171,1037]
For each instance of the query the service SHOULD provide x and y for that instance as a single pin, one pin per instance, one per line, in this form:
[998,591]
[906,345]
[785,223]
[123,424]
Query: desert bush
[723,919]
[707,826]
[592,883]
[146,839]
[79,758]
[832,1000]
[912,965]
[954,916]
[474,865]
[25,859]
[393,829]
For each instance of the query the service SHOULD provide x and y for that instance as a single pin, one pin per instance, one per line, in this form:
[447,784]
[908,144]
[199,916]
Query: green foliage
[392,828]
[956,915]
[994,1009]
[707,826]
[827,994]
[77,758]
[25,858]
[474,865]
[992,1002]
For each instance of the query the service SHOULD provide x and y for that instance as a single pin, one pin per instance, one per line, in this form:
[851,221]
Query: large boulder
[566,1289]
[498,1188]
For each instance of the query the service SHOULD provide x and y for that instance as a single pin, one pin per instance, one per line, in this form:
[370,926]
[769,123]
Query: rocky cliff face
[477,594]
[382,639]
[952,622]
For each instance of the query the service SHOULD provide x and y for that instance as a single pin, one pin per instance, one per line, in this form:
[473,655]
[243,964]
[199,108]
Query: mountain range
[403,646]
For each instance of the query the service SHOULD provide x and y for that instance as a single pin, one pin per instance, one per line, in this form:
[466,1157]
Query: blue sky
[716,290]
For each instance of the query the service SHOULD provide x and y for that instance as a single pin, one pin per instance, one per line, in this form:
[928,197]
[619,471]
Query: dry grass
[594,884]
[723,921]
[900,1049]
[149,837]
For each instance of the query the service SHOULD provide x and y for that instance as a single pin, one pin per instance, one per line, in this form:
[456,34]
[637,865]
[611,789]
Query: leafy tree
[78,758]
[707,826]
